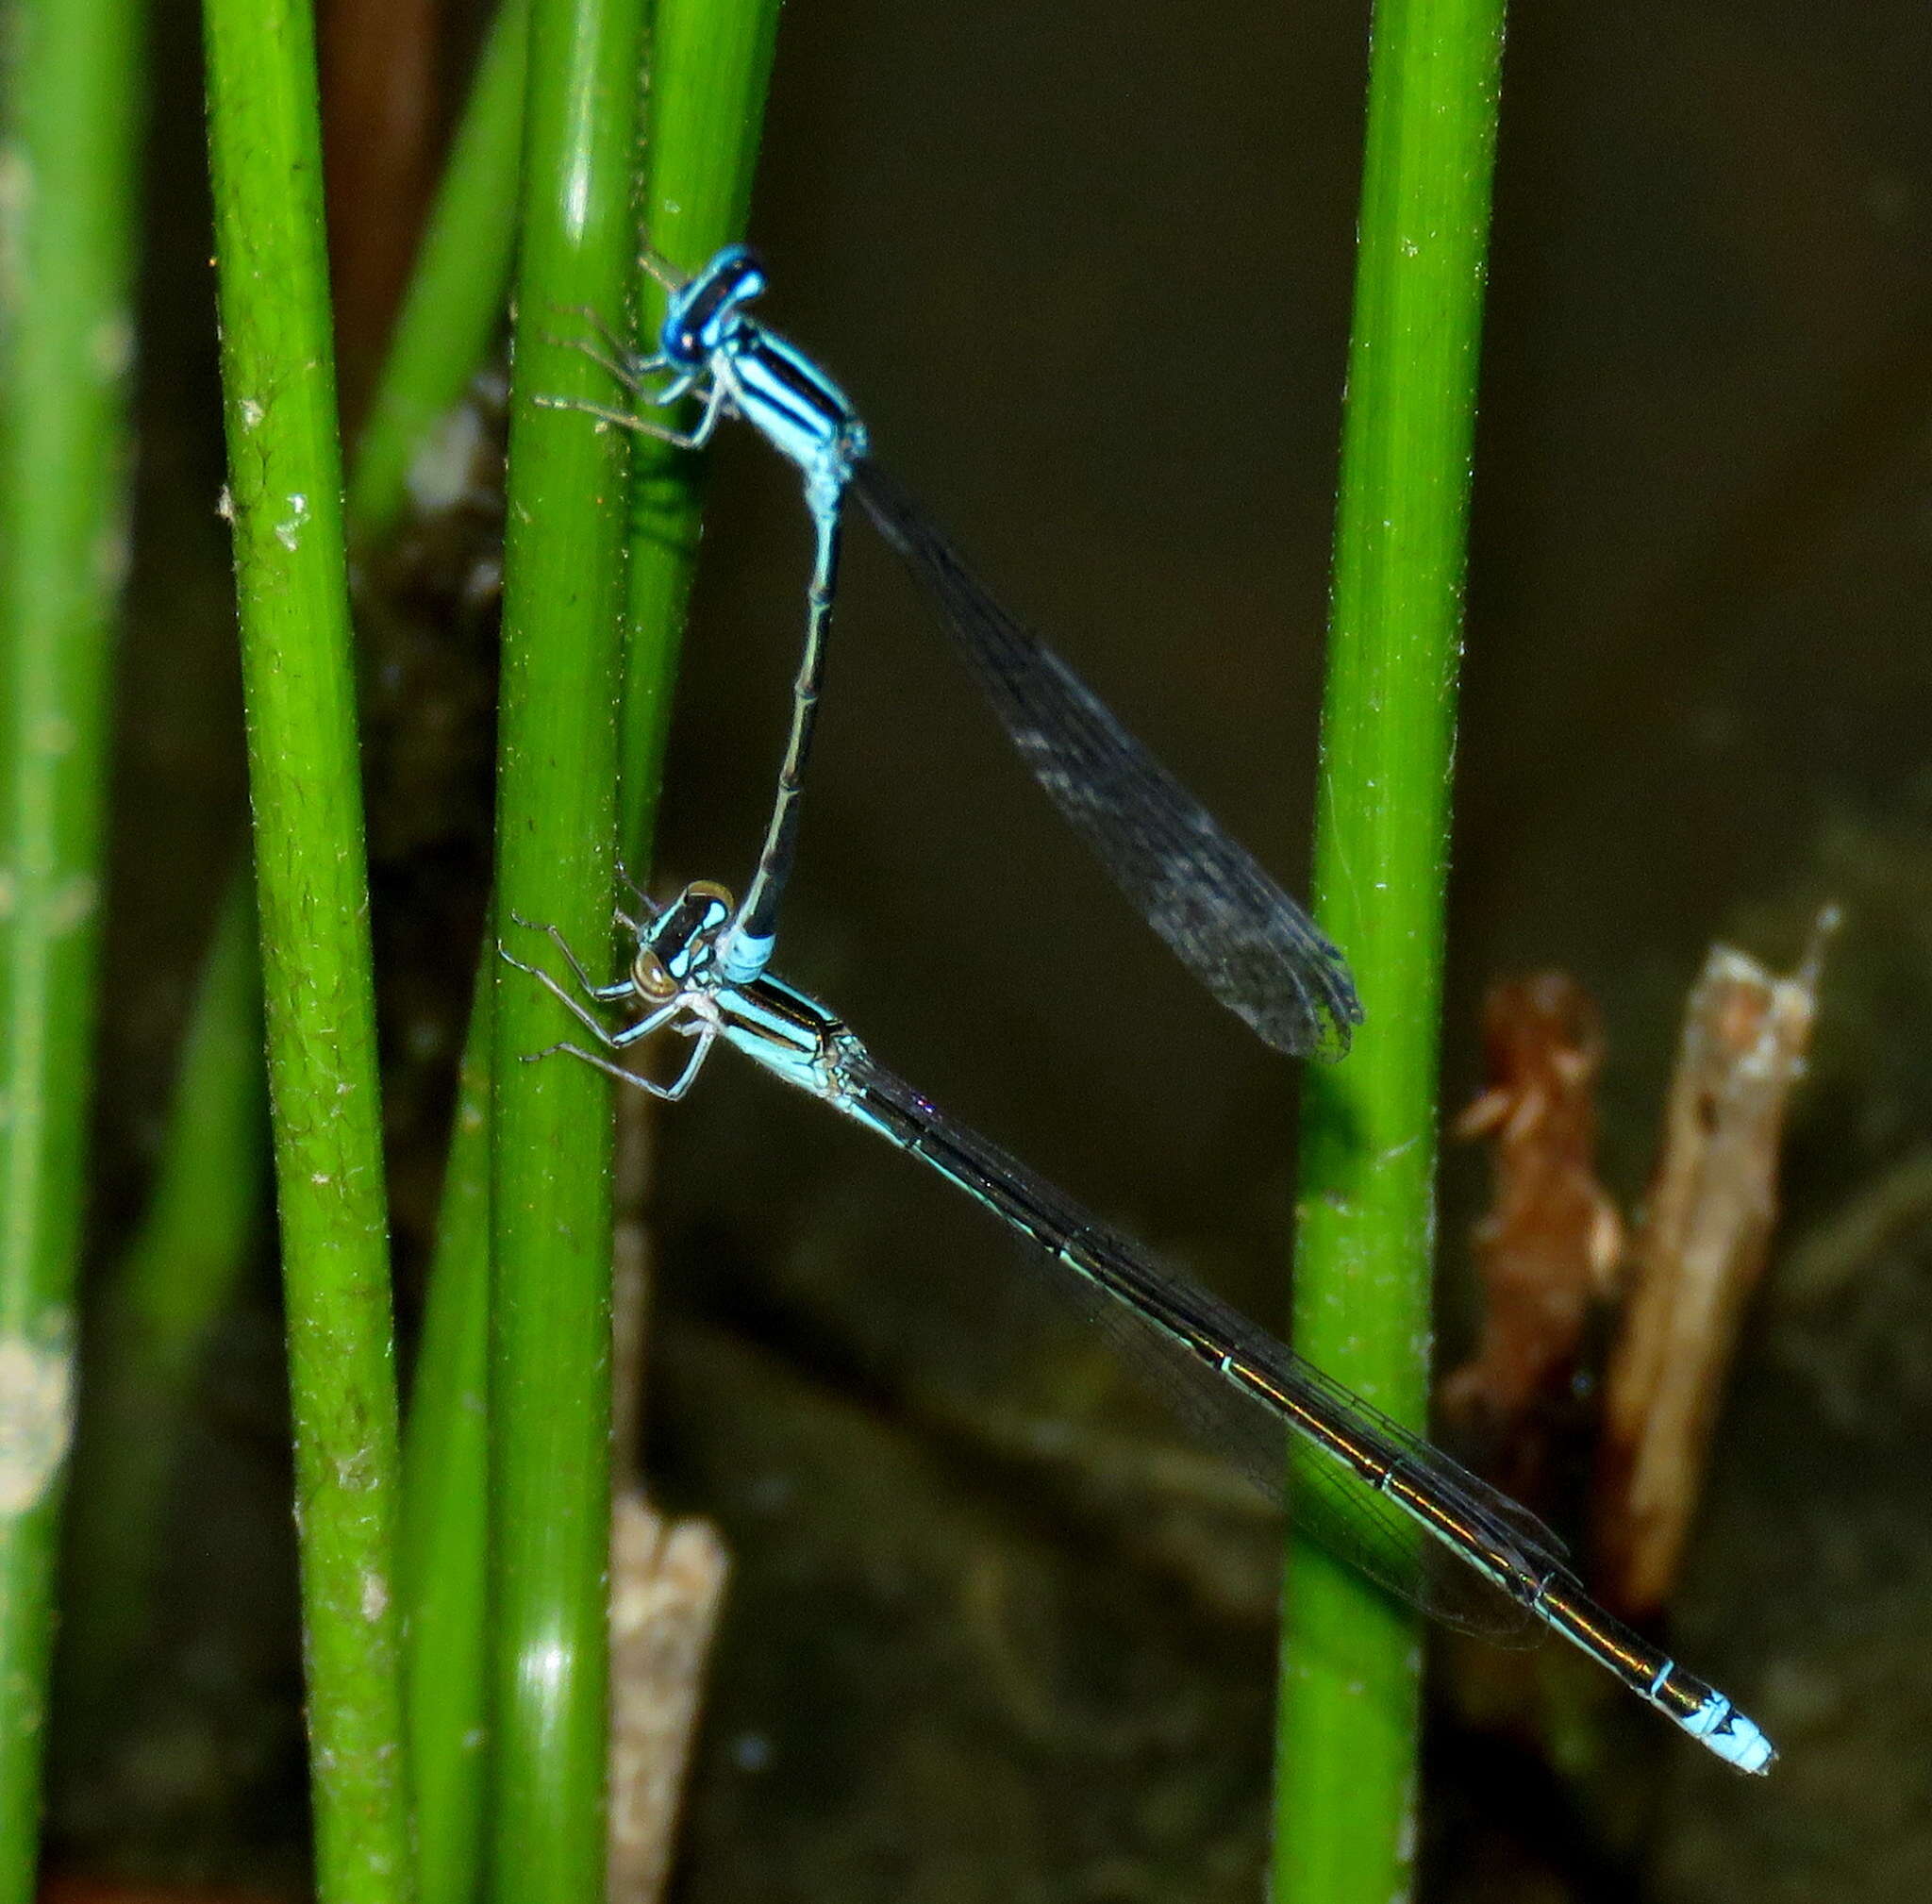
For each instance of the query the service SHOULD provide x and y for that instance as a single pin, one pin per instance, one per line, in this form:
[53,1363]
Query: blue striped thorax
[707,330]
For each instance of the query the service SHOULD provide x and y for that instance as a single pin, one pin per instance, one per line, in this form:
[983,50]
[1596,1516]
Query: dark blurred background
[1087,272]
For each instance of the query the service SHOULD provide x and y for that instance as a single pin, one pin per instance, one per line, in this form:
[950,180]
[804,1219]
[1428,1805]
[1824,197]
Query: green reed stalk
[1346,1776]
[450,313]
[710,66]
[285,490]
[708,76]
[66,344]
[550,1191]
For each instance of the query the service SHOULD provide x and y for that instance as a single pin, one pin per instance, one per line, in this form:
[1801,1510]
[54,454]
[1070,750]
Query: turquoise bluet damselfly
[1385,1498]
[1250,944]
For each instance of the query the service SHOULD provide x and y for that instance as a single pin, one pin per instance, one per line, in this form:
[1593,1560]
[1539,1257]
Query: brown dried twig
[1697,1256]
[667,1580]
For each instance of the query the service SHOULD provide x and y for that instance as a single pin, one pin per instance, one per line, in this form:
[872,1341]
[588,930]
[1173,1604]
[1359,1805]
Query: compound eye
[710,901]
[648,974]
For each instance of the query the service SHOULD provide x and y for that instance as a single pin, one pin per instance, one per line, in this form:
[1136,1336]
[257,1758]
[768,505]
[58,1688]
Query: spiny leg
[650,909]
[704,1031]
[618,1041]
[700,433]
[650,1022]
[623,363]
[622,419]
[619,369]
[574,1005]
[597,1063]
[613,994]
[662,270]
[705,1038]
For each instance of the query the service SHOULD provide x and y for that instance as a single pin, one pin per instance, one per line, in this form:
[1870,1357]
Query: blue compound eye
[703,315]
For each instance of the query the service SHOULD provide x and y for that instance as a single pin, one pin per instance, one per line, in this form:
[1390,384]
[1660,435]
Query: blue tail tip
[1734,1738]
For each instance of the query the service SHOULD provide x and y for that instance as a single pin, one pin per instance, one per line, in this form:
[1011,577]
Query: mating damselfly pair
[1406,1513]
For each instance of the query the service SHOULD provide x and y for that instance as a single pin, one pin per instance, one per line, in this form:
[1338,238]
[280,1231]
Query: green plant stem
[66,341]
[710,68]
[161,1297]
[550,1190]
[454,305]
[285,486]
[1345,1825]
[146,1331]
[456,293]
[443,1559]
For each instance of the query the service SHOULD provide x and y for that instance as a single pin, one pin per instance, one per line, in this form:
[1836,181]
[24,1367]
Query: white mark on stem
[289,530]
[36,1420]
[110,346]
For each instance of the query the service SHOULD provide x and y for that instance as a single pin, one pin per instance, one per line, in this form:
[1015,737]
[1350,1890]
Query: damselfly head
[677,945]
[705,311]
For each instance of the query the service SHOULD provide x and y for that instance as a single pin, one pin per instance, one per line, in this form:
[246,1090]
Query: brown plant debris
[1696,1257]
[1549,1247]
[667,1582]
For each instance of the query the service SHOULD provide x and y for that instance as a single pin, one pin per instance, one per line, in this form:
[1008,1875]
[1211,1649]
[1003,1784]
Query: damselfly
[1387,1500]
[1250,944]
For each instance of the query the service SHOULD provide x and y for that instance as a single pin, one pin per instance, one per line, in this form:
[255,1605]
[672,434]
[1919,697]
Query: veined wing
[1251,944]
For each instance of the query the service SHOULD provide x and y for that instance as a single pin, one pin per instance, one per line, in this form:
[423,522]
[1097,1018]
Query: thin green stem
[454,305]
[66,341]
[285,488]
[456,294]
[1345,1827]
[708,74]
[710,68]
[443,1560]
[550,1191]
[147,1330]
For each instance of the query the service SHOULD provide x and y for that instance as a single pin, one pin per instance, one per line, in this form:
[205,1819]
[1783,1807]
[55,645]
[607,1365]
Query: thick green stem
[66,341]
[550,1193]
[153,1316]
[285,490]
[1345,1825]
[708,81]
[710,66]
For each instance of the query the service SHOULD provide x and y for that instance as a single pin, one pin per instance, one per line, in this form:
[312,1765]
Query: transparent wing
[1324,1501]
[1252,947]
[1178,1336]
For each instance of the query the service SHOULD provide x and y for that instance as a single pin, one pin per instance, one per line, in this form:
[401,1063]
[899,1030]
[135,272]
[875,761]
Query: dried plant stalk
[1697,1257]
[667,1582]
